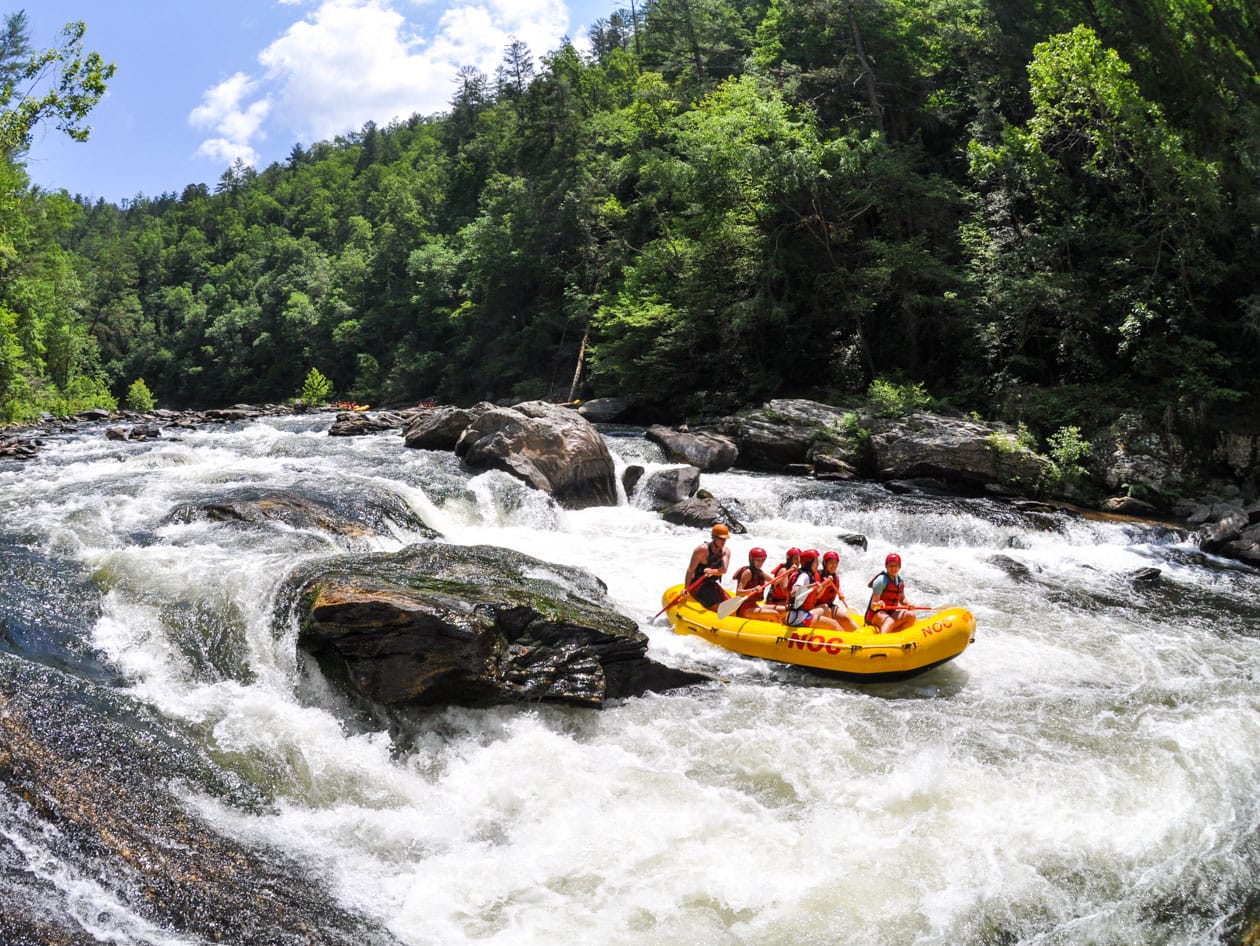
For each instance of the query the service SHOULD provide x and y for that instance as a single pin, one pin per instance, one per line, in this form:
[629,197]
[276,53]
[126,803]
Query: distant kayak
[938,636]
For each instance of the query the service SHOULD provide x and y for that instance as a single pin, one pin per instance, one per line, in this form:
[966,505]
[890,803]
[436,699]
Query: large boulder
[438,624]
[1133,457]
[441,427]
[551,448]
[603,410]
[781,433]
[702,512]
[664,488]
[956,450]
[362,423]
[708,452]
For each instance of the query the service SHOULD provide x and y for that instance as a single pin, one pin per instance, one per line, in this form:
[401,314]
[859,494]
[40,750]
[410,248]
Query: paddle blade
[731,605]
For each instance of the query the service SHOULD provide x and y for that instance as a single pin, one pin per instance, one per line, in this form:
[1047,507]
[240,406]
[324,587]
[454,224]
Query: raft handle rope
[907,646]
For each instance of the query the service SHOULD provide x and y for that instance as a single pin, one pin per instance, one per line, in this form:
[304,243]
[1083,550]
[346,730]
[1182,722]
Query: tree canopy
[1037,210]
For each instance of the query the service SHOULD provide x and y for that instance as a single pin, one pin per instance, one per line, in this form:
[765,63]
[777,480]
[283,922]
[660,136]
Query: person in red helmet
[888,611]
[805,609]
[749,578]
[710,560]
[779,595]
[830,597]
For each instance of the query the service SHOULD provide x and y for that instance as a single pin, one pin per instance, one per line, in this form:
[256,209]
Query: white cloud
[353,61]
[223,108]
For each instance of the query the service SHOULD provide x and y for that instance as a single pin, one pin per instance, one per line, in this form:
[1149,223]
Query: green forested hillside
[1040,210]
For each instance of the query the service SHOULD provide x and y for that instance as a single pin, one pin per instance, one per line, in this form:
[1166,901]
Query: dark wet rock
[362,423]
[929,486]
[853,540]
[630,478]
[94,414]
[1033,506]
[551,448]
[441,427]
[708,452]
[439,624]
[1215,536]
[372,513]
[603,410]
[1145,576]
[136,432]
[1017,570]
[19,448]
[88,772]
[668,487]
[702,512]
[832,464]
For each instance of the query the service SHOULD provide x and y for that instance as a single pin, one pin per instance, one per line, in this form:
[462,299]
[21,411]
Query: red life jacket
[778,592]
[758,578]
[891,597]
[828,592]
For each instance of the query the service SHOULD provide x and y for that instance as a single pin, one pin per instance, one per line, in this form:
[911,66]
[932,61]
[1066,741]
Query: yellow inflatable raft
[935,638]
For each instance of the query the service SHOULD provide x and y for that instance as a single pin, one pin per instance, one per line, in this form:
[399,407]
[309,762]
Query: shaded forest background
[1041,210]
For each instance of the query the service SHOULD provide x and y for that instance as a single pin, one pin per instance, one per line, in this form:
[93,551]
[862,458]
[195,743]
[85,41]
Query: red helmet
[809,555]
[831,557]
[892,558]
[793,551]
[756,553]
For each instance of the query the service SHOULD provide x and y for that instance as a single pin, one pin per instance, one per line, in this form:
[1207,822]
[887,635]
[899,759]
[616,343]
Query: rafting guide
[709,562]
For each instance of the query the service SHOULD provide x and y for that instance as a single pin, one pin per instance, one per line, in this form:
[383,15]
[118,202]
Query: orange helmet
[720,531]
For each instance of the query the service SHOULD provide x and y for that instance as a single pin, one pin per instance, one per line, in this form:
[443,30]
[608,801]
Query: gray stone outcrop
[440,624]
[549,447]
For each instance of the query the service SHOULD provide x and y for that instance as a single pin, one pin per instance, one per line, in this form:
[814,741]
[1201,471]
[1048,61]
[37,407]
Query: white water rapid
[1085,772]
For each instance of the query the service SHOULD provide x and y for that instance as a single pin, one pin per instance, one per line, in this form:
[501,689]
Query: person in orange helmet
[710,560]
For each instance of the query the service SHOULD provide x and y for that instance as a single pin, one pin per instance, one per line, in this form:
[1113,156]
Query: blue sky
[199,84]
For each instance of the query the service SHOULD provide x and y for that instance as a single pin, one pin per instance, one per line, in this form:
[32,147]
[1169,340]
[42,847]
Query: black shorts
[709,594]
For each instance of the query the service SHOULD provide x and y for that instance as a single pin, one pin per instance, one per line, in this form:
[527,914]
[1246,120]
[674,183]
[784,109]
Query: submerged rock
[372,513]
[437,624]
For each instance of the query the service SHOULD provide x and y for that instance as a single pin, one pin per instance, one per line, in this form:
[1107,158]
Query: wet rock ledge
[476,626]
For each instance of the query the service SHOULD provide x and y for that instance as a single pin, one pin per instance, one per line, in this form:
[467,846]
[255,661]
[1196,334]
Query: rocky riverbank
[1128,469]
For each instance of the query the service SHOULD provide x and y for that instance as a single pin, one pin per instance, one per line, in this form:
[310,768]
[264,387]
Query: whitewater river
[1086,772]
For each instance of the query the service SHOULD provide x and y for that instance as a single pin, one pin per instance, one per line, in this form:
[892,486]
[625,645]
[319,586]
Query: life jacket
[891,597]
[809,602]
[758,578]
[779,592]
[828,592]
[715,560]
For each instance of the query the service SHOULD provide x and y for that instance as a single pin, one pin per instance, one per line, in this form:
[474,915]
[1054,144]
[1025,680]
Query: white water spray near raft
[1085,772]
